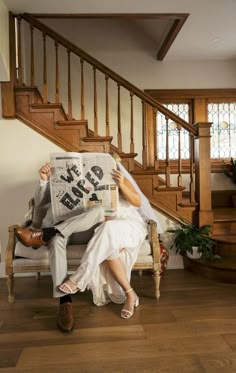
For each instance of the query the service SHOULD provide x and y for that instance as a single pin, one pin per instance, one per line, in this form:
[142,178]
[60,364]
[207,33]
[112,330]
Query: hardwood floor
[192,328]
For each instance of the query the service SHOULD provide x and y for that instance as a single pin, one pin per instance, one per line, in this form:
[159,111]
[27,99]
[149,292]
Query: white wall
[132,55]
[22,152]
[4,44]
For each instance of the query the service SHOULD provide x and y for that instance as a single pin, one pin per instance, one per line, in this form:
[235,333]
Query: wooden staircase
[50,120]
[61,126]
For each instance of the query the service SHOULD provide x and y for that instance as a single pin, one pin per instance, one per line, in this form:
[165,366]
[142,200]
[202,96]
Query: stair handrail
[107,71]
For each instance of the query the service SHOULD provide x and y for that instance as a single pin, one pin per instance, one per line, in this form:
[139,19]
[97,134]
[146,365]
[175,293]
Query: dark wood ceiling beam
[171,36]
[169,16]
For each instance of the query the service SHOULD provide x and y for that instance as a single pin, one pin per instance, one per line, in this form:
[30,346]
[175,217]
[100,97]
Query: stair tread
[228,263]
[224,214]
[71,122]
[225,238]
[97,138]
[47,105]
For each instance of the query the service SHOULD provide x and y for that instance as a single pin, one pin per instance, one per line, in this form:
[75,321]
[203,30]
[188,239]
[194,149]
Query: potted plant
[189,238]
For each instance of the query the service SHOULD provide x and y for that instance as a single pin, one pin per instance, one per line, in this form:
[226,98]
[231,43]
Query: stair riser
[216,274]
[226,249]
[224,227]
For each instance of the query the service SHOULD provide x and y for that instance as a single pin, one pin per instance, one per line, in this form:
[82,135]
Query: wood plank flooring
[192,328]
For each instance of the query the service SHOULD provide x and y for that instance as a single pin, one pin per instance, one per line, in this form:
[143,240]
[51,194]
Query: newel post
[203,173]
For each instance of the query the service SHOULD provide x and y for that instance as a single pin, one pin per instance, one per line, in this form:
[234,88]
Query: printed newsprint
[80,181]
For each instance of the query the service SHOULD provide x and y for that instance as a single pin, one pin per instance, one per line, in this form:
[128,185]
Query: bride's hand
[118,178]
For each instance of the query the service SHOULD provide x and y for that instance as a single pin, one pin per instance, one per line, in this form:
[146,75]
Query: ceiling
[208,33]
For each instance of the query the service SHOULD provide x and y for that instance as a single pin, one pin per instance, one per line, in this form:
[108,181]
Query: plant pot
[195,254]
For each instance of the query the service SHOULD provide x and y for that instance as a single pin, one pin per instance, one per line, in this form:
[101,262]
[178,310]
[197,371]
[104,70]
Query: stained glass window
[223,130]
[182,110]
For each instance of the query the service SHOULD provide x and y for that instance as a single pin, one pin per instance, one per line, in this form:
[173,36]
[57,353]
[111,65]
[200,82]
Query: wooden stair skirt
[223,270]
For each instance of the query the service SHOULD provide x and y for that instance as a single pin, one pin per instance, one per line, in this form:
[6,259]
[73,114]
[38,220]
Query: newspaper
[80,181]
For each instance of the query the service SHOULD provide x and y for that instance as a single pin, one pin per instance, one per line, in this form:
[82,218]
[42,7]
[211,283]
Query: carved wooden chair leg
[157,278]
[10,286]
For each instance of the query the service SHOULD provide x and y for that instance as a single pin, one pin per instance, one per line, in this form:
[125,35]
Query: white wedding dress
[126,231]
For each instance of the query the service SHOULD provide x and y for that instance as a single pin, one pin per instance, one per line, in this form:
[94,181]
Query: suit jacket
[42,214]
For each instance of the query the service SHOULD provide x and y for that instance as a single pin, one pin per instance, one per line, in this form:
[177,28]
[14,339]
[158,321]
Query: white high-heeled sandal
[66,288]
[127,314]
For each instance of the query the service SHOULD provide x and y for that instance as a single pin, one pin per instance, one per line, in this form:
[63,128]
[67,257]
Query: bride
[111,253]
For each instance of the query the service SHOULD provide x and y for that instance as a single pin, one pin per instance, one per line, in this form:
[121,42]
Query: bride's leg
[118,271]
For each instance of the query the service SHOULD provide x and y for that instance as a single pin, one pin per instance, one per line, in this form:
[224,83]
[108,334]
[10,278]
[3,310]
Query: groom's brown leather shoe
[65,320]
[30,237]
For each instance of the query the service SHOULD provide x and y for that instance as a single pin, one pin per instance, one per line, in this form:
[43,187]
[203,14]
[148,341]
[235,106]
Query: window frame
[198,100]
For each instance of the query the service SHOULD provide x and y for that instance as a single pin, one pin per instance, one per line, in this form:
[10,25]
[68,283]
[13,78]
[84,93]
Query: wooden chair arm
[10,250]
[155,245]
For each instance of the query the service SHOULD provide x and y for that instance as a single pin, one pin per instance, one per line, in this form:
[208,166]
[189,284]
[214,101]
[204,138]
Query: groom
[56,238]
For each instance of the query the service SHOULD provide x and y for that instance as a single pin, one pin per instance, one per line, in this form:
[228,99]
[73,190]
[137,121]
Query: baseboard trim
[2,270]
[175,262]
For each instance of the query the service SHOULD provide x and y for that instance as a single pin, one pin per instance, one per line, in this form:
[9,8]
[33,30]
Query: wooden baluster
[69,87]
[32,55]
[7,88]
[57,74]
[144,152]
[119,137]
[192,184]
[156,162]
[179,157]
[107,108]
[45,87]
[167,154]
[20,70]
[95,102]
[131,123]
[82,88]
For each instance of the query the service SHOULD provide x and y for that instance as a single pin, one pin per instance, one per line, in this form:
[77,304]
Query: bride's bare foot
[68,287]
[132,301]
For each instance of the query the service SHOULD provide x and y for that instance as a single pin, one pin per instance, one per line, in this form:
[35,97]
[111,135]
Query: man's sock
[66,298]
[48,233]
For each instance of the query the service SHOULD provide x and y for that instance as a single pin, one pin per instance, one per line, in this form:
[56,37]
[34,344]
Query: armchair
[21,259]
